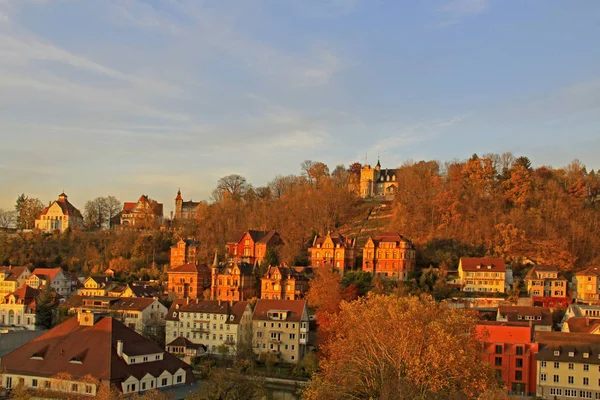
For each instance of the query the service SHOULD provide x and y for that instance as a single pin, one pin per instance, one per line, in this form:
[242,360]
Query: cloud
[455,11]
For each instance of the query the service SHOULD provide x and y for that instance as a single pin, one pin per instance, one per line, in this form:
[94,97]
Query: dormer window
[489,267]
[556,353]
[571,354]
[586,355]
[479,267]
[75,360]
[231,317]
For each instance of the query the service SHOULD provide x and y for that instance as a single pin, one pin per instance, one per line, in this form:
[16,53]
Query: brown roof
[173,314]
[566,342]
[144,291]
[116,303]
[390,237]
[472,264]
[128,206]
[132,303]
[14,272]
[25,295]
[189,268]
[590,271]
[46,273]
[336,238]
[257,236]
[217,307]
[583,324]
[183,342]
[297,308]
[96,347]
[540,315]
[157,208]
[288,272]
[66,207]
[531,274]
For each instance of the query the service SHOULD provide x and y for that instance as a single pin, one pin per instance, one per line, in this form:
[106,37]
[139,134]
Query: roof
[157,207]
[96,347]
[181,341]
[287,272]
[566,342]
[336,238]
[227,269]
[144,291]
[189,268]
[385,172]
[128,206]
[257,236]
[14,273]
[25,294]
[390,237]
[46,273]
[531,274]
[540,315]
[583,324]
[295,309]
[66,207]
[472,264]
[590,271]
[173,314]
[217,307]
[132,303]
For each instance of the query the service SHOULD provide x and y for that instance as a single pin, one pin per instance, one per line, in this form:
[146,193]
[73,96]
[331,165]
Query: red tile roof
[128,206]
[217,307]
[14,272]
[296,307]
[590,271]
[96,347]
[189,268]
[66,207]
[46,273]
[583,324]
[471,264]
[540,315]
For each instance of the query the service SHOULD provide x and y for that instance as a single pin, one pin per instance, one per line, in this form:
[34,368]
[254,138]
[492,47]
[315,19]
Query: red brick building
[389,254]
[284,283]
[233,282]
[510,349]
[184,252]
[252,246]
[332,250]
[188,280]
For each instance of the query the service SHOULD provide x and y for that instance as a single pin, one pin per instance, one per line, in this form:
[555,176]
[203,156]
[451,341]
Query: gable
[55,210]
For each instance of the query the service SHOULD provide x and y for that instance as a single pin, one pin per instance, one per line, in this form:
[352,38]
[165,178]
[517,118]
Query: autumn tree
[28,210]
[235,383]
[389,347]
[230,186]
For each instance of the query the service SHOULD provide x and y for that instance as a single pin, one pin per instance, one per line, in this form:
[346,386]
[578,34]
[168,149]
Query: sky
[124,97]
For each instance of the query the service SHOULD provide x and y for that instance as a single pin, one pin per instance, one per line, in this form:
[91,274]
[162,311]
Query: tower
[367,181]
[178,204]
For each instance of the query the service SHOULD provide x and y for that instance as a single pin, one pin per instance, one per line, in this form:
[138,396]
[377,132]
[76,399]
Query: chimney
[120,348]
[219,301]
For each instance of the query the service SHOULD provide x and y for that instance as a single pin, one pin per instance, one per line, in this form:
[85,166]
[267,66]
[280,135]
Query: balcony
[304,329]
[303,341]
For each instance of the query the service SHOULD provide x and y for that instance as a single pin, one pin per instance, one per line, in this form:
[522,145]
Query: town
[534,325]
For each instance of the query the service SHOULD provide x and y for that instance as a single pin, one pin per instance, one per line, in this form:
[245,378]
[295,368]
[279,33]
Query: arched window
[337,264]
[338,255]
[318,254]
[387,254]
[327,254]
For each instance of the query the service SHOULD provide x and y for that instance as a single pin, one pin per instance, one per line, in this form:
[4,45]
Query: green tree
[28,210]
[271,258]
[45,303]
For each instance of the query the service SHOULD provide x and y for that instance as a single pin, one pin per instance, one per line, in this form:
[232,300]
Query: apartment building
[586,286]
[12,278]
[18,308]
[390,255]
[333,251]
[482,274]
[545,281]
[285,283]
[538,317]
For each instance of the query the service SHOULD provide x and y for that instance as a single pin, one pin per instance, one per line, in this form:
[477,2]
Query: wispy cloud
[454,11]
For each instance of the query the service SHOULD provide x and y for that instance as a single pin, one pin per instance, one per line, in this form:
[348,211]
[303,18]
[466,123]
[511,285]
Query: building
[64,358]
[60,215]
[281,328]
[12,278]
[145,213]
[96,286]
[482,274]
[544,281]
[539,317]
[218,326]
[332,250]
[188,280]
[233,282]
[141,314]
[185,347]
[61,282]
[134,291]
[568,365]
[285,283]
[185,209]
[582,325]
[252,246]
[184,252]
[377,182]
[586,286]
[389,255]
[582,310]
[18,308]
[510,348]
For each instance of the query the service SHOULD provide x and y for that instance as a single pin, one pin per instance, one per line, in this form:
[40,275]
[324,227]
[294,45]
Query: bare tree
[306,167]
[113,208]
[7,218]
[232,186]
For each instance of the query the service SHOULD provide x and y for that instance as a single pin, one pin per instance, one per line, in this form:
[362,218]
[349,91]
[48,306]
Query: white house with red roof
[60,215]
[61,282]
[18,308]
[145,213]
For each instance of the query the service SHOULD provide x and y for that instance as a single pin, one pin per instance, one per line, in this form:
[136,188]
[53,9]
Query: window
[556,364]
[586,381]
[179,379]
[556,379]
[543,364]
[34,383]
[519,363]
[88,389]
[74,387]
[498,349]
[571,380]
[164,382]
[498,362]
[586,367]
[292,336]
[519,350]
[8,382]
[47,384]
[571,366]
[518,375]
[556,391]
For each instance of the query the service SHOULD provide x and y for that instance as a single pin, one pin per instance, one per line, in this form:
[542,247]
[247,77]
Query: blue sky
[125,97]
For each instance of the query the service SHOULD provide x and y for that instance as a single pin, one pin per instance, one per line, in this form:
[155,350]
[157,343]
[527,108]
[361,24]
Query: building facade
[568,365]
[60,215]
[12,278]
[145,213]
[252,246]
[332,251]
[188,280]
[545,281]
[510,348]
[219,327]
[185,209]
[586,286]
[18,308]
[281,328]
[184,252]
[96,286]
[538,317]
[233,282]
[482,274]
[61,282]
[389,255]
[378,182]
[285,283]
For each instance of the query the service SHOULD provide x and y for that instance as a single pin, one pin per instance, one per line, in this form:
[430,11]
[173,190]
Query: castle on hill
[377,182]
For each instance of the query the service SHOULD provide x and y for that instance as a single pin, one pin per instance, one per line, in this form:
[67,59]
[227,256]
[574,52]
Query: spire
[179,195]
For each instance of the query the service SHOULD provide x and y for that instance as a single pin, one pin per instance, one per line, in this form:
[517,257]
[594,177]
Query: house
[185,347]
[582,310]
[60,215]
[218,326]
[281,328]
[184,252]
[145,213]
[185,209]
[545,281]
[90,345]
[333,251]
[389,255]
[61,282]
[142,314]
[188,280]
[539,317]
[582,325]
[233,281]
[252,246]
[378,182]
[285,283]
[510,348]
[586,286]
[96,286]
[133,291]
[482,274]
[568,365]
[18,308]
[12,278]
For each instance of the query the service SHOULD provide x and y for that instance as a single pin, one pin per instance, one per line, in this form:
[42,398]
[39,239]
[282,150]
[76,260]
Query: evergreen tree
[44,307]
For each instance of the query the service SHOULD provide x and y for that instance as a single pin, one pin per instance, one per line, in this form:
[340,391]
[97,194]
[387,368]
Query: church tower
[178,205]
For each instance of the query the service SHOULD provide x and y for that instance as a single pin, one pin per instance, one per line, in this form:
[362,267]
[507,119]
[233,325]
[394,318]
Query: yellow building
[586,286]
[11,279]
[482,274]
[377,182]
[18,308]
[96,286]
[280,328]
[568,365]
[59,216]
[545,281]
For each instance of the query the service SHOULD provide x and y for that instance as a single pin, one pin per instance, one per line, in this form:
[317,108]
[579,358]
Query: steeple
[378,166]
[179,195]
